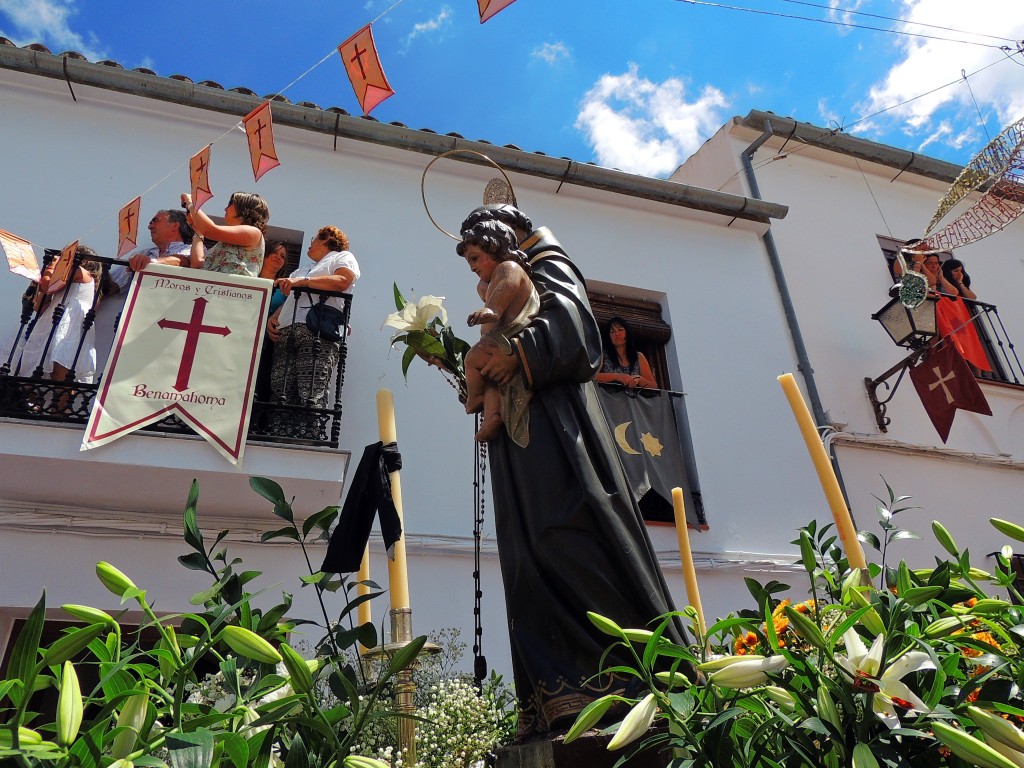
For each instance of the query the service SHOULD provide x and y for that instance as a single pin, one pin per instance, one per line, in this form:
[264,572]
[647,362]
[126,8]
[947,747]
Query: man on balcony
[172,238]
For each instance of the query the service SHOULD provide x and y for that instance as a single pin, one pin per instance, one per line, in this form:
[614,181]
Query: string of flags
[366,75]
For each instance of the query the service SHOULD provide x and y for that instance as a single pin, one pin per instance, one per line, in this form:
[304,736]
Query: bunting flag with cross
[490,7]
[359,55]
[21,259]
[259,128]
[128,227]
[199,177]
[208,328]
[944,382]
[62,268]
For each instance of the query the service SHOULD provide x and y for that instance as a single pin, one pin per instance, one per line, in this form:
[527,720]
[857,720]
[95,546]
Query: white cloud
[645,127]
[48,22]
[844,12]
[924,65]
[439,22]
[551,52]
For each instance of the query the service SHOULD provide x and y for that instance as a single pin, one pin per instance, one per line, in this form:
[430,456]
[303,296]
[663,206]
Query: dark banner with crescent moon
[644,427]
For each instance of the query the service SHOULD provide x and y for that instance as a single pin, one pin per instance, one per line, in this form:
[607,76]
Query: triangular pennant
[490,7]
[199,177]
[21,259]
[62,268]
[128,227]
[359,55]
[259,128]
[944,382]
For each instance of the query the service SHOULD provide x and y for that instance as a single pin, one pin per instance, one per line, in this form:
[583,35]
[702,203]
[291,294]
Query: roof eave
[334,123]
[862,149]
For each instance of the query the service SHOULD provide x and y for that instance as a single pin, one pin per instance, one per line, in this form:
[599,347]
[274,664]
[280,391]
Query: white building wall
[828,245]
[77,163]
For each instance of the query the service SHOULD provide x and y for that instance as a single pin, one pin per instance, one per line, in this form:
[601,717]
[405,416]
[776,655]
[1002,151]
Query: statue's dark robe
[570,535]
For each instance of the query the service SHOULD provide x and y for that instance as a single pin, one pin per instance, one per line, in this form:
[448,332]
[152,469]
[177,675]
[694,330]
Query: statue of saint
[570,535]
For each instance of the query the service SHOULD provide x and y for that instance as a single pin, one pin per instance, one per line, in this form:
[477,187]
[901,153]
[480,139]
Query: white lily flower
[863,665]
[746,672]
[417,316]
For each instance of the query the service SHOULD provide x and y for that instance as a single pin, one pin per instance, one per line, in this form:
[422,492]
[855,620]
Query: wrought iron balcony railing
[27,392]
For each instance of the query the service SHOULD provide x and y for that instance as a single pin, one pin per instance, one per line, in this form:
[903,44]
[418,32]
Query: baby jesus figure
[510,303]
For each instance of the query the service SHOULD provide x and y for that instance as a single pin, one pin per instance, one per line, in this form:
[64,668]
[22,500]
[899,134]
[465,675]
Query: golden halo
[449,153]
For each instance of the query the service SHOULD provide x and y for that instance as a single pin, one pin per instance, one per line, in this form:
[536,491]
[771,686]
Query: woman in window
[622,363]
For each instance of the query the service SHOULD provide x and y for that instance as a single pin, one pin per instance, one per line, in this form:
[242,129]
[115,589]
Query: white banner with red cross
[188,344]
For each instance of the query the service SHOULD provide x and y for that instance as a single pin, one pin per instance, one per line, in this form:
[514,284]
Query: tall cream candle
[826,475]
[686,557]
[365,616]
[398,574]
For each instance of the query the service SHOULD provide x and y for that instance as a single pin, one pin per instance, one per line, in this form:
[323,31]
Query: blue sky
[633,85]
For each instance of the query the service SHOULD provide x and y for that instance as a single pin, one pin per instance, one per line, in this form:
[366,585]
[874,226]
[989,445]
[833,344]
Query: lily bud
[133,718]
[850,583]
[69,706]
[1009,753]
[722,662]
[298,671]
[358,761]
[871,620]
[998,728]
[746,673]
[636,723]
[87,614]
[113,579]
[863,757]
[781,696]
[967,747]
[942,627]
[607,626]
[589,717]
[945,538]
[827,708]
[805,627]
[247,643]
[673,679]
[1007,528]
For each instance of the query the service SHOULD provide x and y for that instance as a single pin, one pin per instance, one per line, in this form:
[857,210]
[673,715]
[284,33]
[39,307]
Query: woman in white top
[303,360]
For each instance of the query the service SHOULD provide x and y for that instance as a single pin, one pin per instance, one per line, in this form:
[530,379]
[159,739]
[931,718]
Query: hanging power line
[836,23]
[901,21]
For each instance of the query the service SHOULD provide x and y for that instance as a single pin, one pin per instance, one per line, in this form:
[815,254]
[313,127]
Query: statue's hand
[482,316]
[500,368]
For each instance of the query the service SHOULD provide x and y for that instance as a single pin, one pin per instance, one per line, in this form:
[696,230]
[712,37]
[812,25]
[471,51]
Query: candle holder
[405,688]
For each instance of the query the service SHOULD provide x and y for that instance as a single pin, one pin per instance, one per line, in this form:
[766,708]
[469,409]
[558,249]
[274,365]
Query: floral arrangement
[423,327]
[157,705]
[918,668]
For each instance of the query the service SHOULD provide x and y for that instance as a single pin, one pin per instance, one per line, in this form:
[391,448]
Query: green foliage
[925,669]
[160,706]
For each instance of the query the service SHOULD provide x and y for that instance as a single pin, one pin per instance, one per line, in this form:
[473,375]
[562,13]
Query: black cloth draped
[369,495]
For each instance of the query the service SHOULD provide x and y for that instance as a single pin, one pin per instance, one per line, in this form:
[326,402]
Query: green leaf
[237,749]
[405,656]
[71,644]
[287,532]
[194,561]
[407,357]
[191,750]
[807,555]
[272,492]
[22,665]
[201,598]
[321,519]
[870,539]
[298,756]
[193,536]
[399,298]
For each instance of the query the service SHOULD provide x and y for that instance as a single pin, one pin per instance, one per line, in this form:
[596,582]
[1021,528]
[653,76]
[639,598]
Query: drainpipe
[803,363]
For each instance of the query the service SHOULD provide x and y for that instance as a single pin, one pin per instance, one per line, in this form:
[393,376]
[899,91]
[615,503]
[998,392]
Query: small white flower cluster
[462,727]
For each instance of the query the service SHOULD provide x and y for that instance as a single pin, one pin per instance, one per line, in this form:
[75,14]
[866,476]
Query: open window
[650,445]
